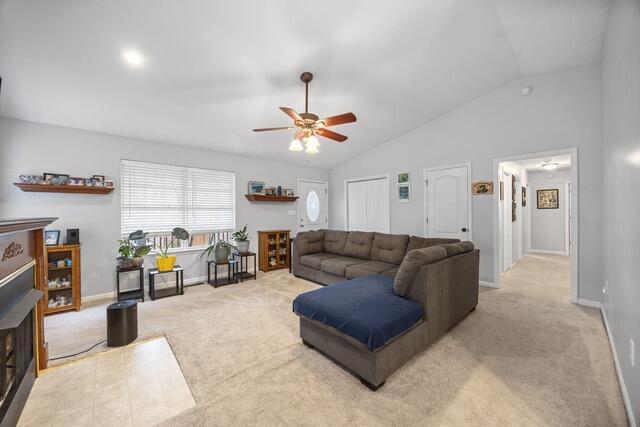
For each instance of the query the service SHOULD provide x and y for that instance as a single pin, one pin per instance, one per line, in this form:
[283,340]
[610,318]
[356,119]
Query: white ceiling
[535,165]
[215,70]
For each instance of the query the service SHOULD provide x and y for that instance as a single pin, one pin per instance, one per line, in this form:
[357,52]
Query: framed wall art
[548,198]
[482,188]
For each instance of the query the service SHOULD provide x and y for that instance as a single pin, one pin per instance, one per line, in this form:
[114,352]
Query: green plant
[241,235]
[177,234]
[128,249]
[206,253]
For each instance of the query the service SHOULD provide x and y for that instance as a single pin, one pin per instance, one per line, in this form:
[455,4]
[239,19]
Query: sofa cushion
[338,264]
[416,242]
[309,242]
[389,248]
[366,309]
[367,269]
[359,244]
[454,249]
[390,273]
[412,263]
[314,260]
[334,241]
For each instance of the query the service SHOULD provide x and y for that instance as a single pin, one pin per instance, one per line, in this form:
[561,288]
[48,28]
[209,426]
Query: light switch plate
[291,212]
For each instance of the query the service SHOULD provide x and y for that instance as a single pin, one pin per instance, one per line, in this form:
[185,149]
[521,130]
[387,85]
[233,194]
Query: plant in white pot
[221,251]
[241,237]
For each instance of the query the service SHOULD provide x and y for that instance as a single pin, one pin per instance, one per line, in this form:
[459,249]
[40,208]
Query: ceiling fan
[309,125]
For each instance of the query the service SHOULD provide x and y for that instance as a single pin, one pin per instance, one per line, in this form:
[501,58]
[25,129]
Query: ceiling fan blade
[267,129]
[291,113]
[339,120]
[331,135]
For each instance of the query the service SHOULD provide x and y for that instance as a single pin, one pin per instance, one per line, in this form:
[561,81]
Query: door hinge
[427,220]
[326,191]
[426,182]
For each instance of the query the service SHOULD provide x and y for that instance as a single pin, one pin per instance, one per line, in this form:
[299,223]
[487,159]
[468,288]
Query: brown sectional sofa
[440,274]
[330,256]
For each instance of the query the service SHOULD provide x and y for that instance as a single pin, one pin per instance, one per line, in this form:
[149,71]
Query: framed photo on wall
[548,198]
[404,193]
[481,188]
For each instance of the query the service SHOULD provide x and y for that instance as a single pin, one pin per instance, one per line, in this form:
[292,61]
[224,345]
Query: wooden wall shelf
[46,188]
[265,198]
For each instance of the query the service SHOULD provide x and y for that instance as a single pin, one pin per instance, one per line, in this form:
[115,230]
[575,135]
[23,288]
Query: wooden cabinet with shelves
[62,284]
[273,249]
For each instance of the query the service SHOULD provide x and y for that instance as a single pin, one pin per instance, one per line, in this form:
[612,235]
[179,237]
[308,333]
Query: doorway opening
[536,211]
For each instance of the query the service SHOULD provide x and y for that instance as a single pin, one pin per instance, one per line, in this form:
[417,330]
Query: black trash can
[122,323]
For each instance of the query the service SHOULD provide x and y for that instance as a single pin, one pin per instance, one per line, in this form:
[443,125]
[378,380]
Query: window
[156,198]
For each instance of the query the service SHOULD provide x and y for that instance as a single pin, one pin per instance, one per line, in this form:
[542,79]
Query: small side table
[169,292]
[132,294]
[243,268]
[232,266]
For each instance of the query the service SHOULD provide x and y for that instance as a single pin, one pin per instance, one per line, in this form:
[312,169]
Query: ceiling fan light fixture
[311,140]
[312,148]
[296,145]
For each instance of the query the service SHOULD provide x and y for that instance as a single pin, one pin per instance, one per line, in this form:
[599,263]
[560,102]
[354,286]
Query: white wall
[548,225]
[30,148]
[514,233]
[621,204]
[564,111]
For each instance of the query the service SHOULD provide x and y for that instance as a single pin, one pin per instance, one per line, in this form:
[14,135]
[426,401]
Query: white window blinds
[156,198]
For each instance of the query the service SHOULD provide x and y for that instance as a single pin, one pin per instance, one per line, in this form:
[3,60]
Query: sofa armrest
[447,290]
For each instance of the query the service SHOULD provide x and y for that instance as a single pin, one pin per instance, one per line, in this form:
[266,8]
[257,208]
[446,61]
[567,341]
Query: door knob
[464,229]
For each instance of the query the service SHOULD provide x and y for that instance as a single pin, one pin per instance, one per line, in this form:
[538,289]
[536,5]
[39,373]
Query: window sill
[179,251]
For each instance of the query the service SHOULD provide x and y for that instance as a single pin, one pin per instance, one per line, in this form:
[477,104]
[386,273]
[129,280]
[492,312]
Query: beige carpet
[525,356]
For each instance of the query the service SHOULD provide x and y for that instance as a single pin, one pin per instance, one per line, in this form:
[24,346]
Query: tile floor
[141,384]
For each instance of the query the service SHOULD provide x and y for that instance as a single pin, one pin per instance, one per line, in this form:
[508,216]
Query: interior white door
[313,212]
[448,203]
[368,205]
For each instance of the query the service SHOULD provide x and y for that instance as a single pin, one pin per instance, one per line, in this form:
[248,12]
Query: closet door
[377,211]
[357,206]
[368,205]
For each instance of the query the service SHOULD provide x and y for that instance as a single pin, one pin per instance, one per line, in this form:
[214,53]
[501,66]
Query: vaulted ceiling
[215,70]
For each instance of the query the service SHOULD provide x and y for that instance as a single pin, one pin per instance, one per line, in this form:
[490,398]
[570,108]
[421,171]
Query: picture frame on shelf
[288,192]
[51,237]
[109,183]
[99,178]
[76,181]
[256,187]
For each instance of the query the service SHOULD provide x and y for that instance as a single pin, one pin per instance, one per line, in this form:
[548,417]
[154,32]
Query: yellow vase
[165,263]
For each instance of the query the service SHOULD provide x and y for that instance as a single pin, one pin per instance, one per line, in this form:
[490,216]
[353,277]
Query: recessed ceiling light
[133,57]
[526,91]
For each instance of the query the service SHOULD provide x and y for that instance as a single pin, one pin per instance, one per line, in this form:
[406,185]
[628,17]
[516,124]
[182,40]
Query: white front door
[313,212]
[448,210]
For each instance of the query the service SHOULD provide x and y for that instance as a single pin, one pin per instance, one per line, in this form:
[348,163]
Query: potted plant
[132,250]
[164,261]
[221,251]
[241,237]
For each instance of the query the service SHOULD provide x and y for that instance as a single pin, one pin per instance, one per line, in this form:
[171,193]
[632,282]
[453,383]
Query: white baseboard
[588,303]
[541,251]
[489,284]
[168,284]
[616,362]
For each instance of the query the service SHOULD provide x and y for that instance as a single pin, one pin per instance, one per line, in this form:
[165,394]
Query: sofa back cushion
[412,262]
[359,244]
[390,248]
[416,242]
[454,249]
[334,241]
[309,242]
